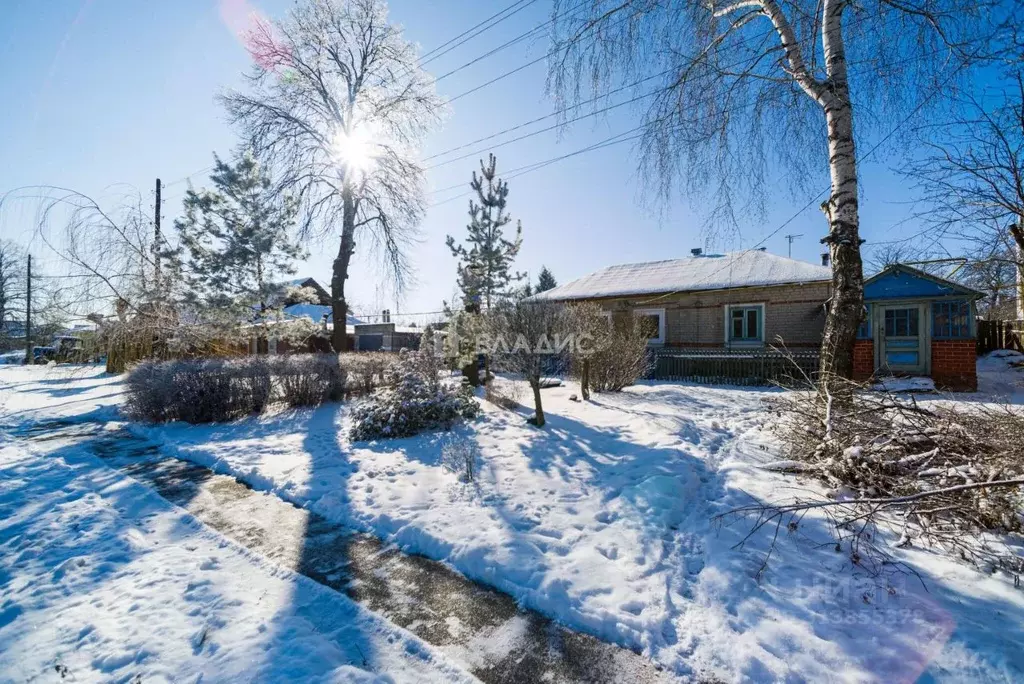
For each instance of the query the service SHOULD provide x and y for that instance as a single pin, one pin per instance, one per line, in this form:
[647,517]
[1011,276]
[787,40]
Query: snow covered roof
[315,312]
[704,272]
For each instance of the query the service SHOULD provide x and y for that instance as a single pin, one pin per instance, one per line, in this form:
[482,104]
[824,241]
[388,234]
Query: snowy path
[102,580]
[480,629]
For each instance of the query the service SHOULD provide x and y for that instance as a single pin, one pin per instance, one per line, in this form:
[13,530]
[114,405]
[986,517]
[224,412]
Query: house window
[272,345]
[864,330]
[951,320]
[901,322]
[653,321]
[745,324]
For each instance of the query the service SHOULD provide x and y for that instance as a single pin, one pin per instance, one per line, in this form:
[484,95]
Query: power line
[547,116]
[815,198]
[431,56]
[543,130]
[510,43]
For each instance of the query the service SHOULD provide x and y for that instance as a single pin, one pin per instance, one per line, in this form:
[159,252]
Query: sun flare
[356,151]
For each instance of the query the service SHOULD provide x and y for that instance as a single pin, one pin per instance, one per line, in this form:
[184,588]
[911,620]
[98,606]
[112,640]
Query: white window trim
[660,313]
[607,314]
[728,325]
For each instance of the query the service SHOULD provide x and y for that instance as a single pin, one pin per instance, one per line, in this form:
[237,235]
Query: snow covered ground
[102,580]
[603,520]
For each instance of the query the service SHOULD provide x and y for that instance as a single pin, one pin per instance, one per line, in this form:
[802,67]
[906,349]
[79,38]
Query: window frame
[762,322]
[948,304]
[660,313]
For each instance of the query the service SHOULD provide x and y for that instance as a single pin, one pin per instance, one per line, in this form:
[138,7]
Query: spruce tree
[486,257]
[235,239]
[545,281]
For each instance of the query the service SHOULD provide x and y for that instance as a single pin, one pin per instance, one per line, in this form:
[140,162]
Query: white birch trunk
[847,304]
[833,95]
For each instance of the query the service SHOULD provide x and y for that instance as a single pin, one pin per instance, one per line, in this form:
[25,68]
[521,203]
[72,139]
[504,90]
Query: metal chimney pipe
[825,258]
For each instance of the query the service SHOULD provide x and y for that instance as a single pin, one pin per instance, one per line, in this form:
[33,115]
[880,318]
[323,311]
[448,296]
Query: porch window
[653,321]
[745,323]
[951,320]
[901,322]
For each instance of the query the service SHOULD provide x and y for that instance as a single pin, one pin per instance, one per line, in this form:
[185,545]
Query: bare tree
[12,282]
[338,105]
[974,178]
[526,338]
[747,85]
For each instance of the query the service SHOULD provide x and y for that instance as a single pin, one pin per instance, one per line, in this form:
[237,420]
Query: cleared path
[483,629]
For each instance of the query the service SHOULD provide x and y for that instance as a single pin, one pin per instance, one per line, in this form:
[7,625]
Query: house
[916,324]
[742,300]
[383,336]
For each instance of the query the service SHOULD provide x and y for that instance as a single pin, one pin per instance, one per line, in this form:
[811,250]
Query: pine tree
[486,256]
[235,238]
[545,281]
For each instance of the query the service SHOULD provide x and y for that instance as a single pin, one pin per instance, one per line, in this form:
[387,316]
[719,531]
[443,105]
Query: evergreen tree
[235,238]
[545,281]
[486,256]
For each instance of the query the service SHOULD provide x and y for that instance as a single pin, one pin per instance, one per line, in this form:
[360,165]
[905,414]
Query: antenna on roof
[791,238]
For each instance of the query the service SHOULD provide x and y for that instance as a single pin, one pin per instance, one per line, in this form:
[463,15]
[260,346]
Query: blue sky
[98,93]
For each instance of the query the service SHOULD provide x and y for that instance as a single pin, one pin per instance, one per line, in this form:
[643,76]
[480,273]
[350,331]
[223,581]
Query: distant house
[916,324]
[323,296]
[743,300]
[383,336]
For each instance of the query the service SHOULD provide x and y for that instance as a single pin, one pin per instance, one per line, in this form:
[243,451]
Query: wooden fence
[994,335]
[736,367]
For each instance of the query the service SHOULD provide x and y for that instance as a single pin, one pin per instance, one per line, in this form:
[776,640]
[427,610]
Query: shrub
[621,355]
[367,371]
[216,390]
[407,404]
[459,456]
[202,391]
[310,379]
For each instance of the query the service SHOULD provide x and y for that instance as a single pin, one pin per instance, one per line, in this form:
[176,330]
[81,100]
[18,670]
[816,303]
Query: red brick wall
[954,365]
[863,359]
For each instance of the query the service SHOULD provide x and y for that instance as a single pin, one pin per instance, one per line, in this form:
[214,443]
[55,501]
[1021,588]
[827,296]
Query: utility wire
[434,54]
[815,198]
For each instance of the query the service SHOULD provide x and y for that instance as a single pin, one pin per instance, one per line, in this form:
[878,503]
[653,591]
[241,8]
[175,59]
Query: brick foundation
[863,360]
[954,365]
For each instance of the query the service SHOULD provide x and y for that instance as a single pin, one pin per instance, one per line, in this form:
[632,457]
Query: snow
[605,520]
[1001,374]
[316,313]
[707,272]
[908,384]
[13,357]
[103,580]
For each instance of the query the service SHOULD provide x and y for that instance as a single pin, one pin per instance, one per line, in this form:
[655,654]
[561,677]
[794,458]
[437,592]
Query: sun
[356,150]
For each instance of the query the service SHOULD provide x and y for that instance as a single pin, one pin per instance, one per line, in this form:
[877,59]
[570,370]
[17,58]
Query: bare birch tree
[750,85]
[337,106]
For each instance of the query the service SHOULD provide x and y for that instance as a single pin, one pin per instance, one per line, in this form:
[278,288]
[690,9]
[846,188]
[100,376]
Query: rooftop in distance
[751,268]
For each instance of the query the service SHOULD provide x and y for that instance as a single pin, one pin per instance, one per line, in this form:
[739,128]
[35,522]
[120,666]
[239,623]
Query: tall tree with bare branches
[748,85]
[337,106]
[973,179]
[12,283]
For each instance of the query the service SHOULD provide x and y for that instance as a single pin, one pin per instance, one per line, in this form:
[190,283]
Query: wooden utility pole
[28,312]
[157,241]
